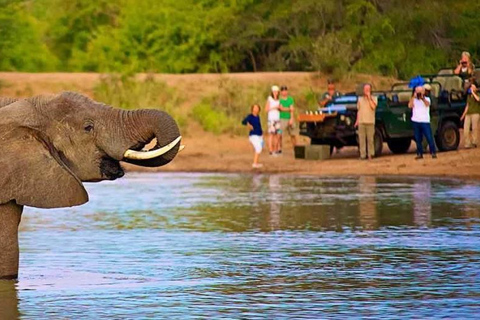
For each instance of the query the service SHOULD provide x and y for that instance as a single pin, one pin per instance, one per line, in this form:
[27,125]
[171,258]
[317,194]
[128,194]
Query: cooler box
[312,152]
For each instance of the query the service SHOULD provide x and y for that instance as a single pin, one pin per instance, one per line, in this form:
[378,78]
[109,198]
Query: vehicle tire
[448,137]
[378,142]
[399,146]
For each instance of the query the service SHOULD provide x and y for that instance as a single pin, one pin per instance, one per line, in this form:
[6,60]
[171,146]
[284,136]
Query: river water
[253,246]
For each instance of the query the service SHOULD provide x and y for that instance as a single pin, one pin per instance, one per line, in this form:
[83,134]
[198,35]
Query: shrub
[211,120]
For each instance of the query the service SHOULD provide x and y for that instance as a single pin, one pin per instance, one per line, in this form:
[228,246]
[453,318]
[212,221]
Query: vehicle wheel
[448,137]
[399,146]
[378,142]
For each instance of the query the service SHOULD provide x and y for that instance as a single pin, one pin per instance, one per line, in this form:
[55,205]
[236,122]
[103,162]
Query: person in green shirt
[287,121]
[471,115]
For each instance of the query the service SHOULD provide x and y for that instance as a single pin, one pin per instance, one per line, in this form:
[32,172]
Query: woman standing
[420,105]
[465,66]
[471,116]
[272,108]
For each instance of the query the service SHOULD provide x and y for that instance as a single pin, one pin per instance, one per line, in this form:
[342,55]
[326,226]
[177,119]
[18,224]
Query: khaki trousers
[470,127]
[366,133]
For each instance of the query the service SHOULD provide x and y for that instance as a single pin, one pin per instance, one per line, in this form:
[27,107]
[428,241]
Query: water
[253,246]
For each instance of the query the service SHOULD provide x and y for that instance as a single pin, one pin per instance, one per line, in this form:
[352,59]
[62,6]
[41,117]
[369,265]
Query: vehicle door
[397,116]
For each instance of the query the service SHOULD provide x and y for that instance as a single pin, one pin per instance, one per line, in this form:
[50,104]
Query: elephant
[51,144]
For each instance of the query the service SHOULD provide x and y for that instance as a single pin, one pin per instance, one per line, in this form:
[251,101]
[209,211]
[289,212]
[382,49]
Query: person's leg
[362,143]
[417,131]
[255,158]
[475,119]
[257,143]
[466,130]
[370,139]
[427,131]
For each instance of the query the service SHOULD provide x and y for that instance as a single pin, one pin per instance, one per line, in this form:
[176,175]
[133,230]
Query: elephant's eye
[88,127]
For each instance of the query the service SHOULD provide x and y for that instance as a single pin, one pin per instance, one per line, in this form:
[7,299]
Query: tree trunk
[10,215]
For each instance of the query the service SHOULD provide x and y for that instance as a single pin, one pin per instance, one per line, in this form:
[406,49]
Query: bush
[211,120]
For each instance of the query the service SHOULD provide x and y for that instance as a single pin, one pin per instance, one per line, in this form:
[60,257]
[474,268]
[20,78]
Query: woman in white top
[272,108]
[420,105]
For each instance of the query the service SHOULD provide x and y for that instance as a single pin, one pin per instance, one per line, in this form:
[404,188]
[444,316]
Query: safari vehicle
[334,125]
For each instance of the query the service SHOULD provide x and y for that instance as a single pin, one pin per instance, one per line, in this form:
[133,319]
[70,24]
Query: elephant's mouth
[111,169]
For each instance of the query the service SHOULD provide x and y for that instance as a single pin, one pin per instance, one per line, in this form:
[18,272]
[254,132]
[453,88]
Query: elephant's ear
[33,174]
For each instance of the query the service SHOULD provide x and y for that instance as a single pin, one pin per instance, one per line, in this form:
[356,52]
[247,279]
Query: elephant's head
[49,145]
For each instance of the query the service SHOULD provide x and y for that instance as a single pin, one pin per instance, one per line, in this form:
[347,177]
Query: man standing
[287,118]
[366,106]
[328,96]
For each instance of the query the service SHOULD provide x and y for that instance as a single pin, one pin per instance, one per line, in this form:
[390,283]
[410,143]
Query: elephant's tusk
[146,155]
[181,147]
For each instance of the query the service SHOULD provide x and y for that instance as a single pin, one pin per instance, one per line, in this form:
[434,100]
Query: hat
[427,87]
[275,88]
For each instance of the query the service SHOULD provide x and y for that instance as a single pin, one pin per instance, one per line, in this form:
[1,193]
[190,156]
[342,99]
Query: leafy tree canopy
[389,37]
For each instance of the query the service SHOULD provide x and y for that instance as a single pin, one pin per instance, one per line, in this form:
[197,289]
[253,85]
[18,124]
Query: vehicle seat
[441,81]
[445,71]
[453,84]
[404,96]
[435,92]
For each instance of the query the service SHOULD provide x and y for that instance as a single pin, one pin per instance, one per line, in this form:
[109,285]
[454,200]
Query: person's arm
[464,113]
[267,106]
[371,102]
[292,115]
[410,103]
[358,111]
[326,98]
[247,122]
[458,69]
[475,96]
[426,102]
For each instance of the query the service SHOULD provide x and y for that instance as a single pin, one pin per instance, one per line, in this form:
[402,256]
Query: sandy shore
[211,153]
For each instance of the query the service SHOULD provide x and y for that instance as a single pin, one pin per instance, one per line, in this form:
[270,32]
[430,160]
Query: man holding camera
[420,105]
[366,106]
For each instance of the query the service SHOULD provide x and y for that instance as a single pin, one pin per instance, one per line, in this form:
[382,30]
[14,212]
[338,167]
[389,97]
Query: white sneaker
[257,165]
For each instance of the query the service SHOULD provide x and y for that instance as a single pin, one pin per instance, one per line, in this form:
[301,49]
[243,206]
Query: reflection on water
[253,246]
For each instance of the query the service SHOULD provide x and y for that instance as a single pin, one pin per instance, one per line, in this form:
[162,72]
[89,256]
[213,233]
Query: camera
[419,95]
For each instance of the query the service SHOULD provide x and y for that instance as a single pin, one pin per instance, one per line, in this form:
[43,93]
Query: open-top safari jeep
[334,124]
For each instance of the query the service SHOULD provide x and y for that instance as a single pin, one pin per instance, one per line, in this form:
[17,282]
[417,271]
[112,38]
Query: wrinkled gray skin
[50,145]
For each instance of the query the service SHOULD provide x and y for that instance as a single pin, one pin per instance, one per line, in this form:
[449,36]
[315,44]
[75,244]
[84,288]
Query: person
[256,134]
[465,67]
[328,96]
[420,105]
[287,122]
[272,107]
[471,115]
[366,106]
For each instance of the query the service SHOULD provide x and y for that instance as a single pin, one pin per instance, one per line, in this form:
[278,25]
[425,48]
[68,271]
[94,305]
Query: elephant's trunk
[149,124]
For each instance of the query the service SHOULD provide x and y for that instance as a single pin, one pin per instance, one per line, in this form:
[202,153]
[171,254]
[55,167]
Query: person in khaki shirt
[366,106]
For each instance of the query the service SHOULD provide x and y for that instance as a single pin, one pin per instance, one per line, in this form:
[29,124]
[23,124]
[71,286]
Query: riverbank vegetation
[391,37]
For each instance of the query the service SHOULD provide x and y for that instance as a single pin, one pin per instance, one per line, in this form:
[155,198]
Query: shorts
[274,127]
[286,127]
[257,143]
